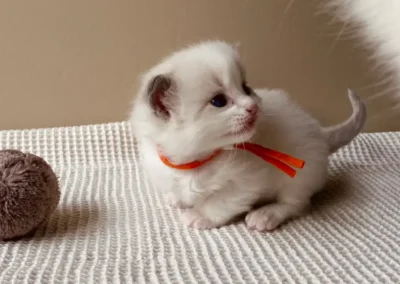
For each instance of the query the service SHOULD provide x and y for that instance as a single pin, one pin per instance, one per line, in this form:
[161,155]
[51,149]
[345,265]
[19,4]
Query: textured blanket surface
[111,227]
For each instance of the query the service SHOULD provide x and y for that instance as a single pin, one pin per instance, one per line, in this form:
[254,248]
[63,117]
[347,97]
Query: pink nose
[252,109]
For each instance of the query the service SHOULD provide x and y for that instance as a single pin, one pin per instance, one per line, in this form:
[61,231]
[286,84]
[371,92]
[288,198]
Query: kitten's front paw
[193,219]
[175,202]
[264,219]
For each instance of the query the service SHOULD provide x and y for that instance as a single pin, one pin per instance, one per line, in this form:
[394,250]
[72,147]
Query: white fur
[379,25]
[234,181]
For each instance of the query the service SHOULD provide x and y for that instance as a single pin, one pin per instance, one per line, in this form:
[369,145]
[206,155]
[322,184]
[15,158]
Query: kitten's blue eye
[219,100]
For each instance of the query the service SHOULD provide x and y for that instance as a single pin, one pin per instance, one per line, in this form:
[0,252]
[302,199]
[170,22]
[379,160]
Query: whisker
[386,80]
[285,13]
[341,32]
[380,94]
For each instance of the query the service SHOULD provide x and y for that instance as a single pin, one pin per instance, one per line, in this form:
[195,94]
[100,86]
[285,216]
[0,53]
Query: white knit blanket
[111,227]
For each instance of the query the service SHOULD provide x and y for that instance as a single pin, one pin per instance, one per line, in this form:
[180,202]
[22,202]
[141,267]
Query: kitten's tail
[343,133]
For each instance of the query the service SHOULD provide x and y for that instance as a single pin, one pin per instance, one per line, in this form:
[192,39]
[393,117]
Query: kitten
[196,101]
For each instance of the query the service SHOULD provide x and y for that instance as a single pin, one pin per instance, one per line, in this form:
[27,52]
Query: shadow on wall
[68,63]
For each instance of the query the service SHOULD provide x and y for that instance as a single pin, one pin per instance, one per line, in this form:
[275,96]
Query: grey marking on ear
[159,90]
[159,83]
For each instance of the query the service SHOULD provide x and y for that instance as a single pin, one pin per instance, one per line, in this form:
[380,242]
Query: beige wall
[76,62]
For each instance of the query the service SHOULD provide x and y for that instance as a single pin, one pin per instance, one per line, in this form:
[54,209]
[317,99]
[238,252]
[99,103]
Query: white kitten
[197,101]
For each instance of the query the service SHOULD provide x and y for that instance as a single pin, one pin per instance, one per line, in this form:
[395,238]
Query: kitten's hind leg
[269,217]
[218,209]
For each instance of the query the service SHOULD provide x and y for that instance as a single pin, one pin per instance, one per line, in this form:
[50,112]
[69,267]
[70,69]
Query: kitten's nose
[252,109]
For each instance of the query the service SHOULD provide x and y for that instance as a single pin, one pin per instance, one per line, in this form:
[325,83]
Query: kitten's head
[196,100]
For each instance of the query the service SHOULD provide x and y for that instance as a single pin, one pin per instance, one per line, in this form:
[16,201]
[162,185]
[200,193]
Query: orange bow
[275,158]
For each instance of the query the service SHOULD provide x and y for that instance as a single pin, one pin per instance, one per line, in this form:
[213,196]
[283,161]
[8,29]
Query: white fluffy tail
[379,26]
[343,133]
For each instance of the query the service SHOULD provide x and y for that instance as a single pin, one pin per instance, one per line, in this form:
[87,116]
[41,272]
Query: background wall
[77,61]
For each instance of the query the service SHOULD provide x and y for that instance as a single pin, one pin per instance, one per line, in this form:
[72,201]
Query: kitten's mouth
[247,126]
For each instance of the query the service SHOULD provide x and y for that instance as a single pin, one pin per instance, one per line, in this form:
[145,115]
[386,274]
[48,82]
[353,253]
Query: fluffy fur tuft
[379,25]
[196,101]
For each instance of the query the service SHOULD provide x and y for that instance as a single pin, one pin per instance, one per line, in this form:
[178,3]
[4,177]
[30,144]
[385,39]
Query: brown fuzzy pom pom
[29,193]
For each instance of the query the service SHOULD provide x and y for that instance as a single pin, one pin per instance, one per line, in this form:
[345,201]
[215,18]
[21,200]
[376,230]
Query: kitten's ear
[159,91]
[236,50]
[236,46]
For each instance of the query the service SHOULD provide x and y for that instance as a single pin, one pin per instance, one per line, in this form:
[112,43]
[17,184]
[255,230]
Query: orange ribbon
[275,158]
[188,166]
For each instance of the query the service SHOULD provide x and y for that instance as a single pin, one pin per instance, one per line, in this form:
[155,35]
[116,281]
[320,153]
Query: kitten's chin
[245,136]
[245,133]
[241,136]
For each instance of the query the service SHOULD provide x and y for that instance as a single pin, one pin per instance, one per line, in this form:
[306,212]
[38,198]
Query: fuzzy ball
[29,193]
